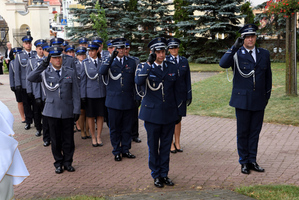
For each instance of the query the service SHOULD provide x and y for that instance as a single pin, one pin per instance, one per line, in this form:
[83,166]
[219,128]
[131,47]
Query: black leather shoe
[27,127]
[173,151]
[58,170]
[137,140]
[117,157]
[69,168]
[254,166]
[83,138]
[245,168]
[158,183]
[95,145]
[47,143]
[38,133]
[128,155]
[167,181]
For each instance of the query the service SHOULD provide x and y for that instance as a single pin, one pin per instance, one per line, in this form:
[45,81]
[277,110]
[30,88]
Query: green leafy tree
[99,22]
[247,11]
[182,14]
[211,19]
[154,20]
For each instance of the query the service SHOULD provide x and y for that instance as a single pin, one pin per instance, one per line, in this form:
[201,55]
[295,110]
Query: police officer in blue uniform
[135,126]
[110,47]
[80,56]
[21,64]
[120,98]
[67,60]
[18,94]
[83,42]
[93,93]
[62,106]
[63,45]
[252,84]
[70,50]
[102,53]
[185,92]
[35,88]
[159,108]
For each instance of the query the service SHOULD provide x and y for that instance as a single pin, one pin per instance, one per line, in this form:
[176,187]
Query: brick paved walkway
[209,162]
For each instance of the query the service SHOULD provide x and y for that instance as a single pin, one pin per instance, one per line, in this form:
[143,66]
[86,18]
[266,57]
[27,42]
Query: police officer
[70,50]
[110,47]
[63,45]
[18,94]
[158,108]
[185,93]
[83,42]
[120,98]
[135,128]
[62,106]
[252,86]
[93,92]
[81,55]
[102,53]
[67,60]
[34,88]
[21,64]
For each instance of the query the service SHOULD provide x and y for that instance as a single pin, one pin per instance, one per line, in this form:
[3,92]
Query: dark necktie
[250,52]
[57,71]
[121,60]
[160,67]
[95,63]
[29,54]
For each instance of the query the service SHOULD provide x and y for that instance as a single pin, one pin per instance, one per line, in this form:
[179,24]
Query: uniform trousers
[27,103]
[37,115]
[62,139]
[159,138]
[135,124]
[46,131]
[249,126]
[120,125]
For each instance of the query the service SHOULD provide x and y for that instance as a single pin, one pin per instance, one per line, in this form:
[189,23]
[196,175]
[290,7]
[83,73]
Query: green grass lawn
[211,96]
[270,192]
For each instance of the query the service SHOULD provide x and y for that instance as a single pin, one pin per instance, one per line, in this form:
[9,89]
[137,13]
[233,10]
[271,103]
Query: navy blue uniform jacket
[120,93]
[157,107]
[245,94]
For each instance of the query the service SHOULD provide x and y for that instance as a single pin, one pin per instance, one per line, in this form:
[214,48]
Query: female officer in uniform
[93,92]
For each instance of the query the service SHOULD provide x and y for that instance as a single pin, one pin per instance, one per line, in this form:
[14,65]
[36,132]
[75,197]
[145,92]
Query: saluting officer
[18,94]
[81,55]
[120,98]
[93,92]
[252,86]
[158,108]
[62,106]
[34,88]
[135,127]
[184,93]
[21,64]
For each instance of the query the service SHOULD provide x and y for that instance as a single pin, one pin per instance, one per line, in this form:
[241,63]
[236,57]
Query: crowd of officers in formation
[59,84]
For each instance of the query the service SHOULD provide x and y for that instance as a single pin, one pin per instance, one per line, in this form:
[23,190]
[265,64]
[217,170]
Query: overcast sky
[256,2]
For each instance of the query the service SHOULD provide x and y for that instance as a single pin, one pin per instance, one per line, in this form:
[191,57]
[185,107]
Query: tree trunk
[291,64]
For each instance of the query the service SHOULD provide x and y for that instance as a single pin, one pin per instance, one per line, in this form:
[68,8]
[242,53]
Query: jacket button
[238,92]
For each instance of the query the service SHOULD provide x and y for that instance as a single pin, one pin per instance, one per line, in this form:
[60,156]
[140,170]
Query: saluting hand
[152,57]
[114,54]
[239,42]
